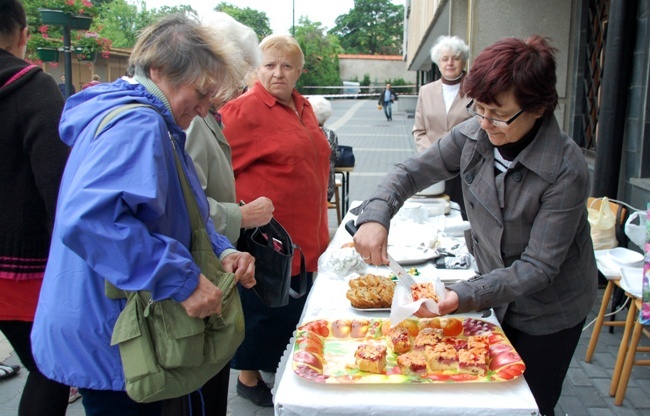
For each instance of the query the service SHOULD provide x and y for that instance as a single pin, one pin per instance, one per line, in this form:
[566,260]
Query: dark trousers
[209,400]
[41,396]
[116,403]
[547,359]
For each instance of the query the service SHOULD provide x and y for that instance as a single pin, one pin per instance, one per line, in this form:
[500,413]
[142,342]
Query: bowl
[626,257]
[437,188]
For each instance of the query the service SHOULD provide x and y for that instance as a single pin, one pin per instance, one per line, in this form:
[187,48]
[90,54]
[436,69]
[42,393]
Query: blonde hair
[285,44]
[188,53]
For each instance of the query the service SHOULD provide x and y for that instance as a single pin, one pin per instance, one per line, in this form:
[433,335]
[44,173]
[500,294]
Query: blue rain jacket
[120,217]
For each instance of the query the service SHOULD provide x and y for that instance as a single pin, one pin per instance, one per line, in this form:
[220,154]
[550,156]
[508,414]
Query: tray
[324,351]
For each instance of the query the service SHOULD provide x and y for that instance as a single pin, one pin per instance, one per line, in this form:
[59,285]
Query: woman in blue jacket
[121,215]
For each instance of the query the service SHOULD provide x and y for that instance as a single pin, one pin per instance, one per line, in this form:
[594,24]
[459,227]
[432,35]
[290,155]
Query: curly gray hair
[452,43]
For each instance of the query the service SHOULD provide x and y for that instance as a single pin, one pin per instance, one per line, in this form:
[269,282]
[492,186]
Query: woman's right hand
[205,300]
[371,242]
[257,213]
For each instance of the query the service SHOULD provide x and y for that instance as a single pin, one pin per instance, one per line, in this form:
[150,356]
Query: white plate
[371,309]
[405,255]
[632,280]
[626,257]
[606,265]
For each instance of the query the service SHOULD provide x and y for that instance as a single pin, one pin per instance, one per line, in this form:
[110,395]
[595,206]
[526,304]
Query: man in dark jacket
[386,99]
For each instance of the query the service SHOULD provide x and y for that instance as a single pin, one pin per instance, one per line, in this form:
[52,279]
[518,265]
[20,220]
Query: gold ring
[365,258]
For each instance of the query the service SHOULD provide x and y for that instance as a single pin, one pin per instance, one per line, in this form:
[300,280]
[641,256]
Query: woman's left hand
[447,305]
[243,265]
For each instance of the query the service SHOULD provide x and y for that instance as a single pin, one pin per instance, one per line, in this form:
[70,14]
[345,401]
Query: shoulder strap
[115,112]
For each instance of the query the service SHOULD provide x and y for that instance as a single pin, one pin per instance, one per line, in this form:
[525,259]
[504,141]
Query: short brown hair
[525,67]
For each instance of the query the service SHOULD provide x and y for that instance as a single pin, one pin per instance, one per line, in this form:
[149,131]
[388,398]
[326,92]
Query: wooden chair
[613,293]
[627,353]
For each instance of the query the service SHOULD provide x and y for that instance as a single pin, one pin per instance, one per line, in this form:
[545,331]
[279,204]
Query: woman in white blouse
[441,104]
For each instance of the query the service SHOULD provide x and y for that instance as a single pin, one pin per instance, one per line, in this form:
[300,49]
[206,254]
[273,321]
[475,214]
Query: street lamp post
[293,18]
[67,61]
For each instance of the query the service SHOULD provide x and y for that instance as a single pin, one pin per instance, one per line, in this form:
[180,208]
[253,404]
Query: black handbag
[273,250]
[346,158]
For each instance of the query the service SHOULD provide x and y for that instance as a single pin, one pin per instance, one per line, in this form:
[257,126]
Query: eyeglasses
[494,121]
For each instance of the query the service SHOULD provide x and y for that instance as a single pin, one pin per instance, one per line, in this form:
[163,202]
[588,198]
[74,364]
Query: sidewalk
[378,145]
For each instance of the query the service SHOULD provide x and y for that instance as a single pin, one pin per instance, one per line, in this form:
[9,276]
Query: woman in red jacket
[278,151]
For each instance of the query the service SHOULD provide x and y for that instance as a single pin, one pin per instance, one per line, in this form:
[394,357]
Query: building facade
[603,65]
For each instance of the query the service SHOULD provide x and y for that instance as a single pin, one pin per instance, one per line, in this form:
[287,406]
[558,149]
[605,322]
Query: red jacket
[284,156]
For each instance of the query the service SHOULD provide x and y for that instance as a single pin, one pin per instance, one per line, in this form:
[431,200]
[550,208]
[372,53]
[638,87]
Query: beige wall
[380,70]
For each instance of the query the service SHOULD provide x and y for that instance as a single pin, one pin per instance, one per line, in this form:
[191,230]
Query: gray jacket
[529,231]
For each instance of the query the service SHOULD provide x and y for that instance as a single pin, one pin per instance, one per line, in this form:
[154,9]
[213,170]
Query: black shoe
[7,371]
[260,394]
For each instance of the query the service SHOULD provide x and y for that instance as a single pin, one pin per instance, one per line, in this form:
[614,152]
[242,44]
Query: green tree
[122,20]
[371,27]
[321,58]
[258,21]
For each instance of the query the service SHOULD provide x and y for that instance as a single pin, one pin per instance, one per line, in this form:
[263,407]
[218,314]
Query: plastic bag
[635,228]
[342,262]
[603,225]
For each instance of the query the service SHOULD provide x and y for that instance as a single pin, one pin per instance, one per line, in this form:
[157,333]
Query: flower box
[80,22]
[54,17]
[48,54]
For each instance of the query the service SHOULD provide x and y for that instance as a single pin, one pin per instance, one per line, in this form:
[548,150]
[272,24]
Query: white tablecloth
[296,396]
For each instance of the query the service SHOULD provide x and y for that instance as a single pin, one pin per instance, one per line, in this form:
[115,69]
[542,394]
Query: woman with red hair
[525,186]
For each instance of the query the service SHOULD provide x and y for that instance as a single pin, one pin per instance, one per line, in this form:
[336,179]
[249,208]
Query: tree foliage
[258,21]
[371,27]
[122,20]
[321,57]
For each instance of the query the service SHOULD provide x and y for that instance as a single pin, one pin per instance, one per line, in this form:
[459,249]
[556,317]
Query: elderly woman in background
[441,104]
[525,184]
[211,155]
[323,110]
[121,214]
[279,151]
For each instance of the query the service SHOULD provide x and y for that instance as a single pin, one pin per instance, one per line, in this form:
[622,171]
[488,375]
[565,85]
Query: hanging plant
[43,39]
[89,44]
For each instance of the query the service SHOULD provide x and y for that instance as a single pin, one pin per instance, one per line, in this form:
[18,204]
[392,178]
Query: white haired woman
[323,110]
[211,155]
[121,215]
[441,104]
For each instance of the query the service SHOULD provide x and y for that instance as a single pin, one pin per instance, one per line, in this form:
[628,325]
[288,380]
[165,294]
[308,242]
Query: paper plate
[632,280]
[412,255]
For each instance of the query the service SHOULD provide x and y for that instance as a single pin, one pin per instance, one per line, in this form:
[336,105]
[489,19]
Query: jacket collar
[270,100]
[543,156]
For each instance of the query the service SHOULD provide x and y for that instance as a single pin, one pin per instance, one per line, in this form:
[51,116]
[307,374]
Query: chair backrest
[621,213]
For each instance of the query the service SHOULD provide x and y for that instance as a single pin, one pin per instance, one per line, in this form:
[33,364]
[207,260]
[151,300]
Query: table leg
[599,321]
[623,349]
[345,182]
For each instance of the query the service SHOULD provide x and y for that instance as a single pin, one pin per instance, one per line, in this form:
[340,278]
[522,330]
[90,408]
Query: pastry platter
[325,351]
